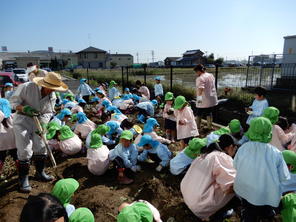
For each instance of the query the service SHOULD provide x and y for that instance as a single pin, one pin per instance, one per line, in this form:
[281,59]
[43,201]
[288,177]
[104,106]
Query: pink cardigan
[83,129]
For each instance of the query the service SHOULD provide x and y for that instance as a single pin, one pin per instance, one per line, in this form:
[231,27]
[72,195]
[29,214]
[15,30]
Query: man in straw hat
[29,99]
[33,71]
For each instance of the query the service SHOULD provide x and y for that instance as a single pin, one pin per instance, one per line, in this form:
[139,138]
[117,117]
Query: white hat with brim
[31,69]
[52,81]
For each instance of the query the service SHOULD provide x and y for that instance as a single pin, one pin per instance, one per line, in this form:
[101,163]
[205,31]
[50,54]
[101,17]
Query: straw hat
[51,80]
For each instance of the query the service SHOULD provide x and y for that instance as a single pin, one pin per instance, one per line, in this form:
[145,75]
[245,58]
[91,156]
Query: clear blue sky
[228,28]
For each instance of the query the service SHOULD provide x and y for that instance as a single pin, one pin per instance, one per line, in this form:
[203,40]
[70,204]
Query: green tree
[219,61]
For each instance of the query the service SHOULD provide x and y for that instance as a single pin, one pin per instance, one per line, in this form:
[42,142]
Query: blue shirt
[128,155]
[162,152]
[85,90]
[113,92]
[179,163]
[289,185]
[260,170]
[148,106]
[158,90]
[257,107]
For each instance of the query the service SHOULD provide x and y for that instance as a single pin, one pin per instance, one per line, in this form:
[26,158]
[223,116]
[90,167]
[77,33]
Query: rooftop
[92,49]
[290,37]
[114,55]
[192,52]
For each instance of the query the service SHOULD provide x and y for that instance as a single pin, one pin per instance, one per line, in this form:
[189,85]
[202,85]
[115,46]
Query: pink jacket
[77,109]
[166,115]
[206,82]
[71,146]
[144,91]
[190,127]
[280,138]
[7,138]
[83,129]
[205,185]
[98,160]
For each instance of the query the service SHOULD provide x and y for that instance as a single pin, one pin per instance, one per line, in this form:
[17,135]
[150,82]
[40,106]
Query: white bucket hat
[51,80]
[31,69]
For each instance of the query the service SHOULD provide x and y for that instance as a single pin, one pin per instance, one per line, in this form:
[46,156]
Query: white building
[289,56]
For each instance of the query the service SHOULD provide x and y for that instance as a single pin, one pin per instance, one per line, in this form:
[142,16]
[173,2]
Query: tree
[219,61]
[210,59]
[113,65]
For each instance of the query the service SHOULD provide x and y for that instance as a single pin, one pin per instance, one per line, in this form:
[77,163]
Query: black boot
[40,165]
[23,169]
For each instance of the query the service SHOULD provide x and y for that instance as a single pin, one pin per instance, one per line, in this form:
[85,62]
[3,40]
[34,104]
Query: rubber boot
[209,122]
[198,121]
[40,165]
[23,169]
[122,179]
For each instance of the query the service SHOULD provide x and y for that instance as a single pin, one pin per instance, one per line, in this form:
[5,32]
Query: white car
[21,74]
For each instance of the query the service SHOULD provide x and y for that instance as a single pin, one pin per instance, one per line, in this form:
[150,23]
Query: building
[119,60]
[191,58]
[289,57]
[92,57]
[170,61]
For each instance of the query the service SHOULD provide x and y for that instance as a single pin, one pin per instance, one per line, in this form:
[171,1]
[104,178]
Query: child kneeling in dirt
[97,153]
[182,160]
[83,126]
[7,138]
[124,156]
[140,210]
[64,190]
[207,186]
[149,129]
[155,150]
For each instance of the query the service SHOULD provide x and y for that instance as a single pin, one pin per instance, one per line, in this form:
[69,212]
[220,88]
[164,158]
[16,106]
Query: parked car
[21,74]
[8,77]
[210,66]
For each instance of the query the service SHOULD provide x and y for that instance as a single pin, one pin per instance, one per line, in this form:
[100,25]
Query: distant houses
[190,58]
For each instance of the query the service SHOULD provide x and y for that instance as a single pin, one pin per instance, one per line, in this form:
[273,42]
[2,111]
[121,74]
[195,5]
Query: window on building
[128,58]
[85,55]
[290,51]
[96,55]
[118,58]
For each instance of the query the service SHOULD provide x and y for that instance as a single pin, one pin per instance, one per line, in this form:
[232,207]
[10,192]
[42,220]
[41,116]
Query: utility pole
[152,52]
[137,57]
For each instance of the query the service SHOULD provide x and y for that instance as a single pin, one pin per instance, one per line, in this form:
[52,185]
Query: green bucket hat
[65,133]
[96,141]
[288,207]
[52,128]
[260,130]
[127,134]
[135,213]
[234,126]
[169,96]
[290,158]
[73,118]
[112,83]
[179,102]
[82,214]
[102,129]
[64,190]
[72,98]
[222,131]
[194,147]
[271,113]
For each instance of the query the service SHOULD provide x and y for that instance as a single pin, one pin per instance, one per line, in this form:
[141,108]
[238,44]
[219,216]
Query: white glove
[199,99]
[159,168]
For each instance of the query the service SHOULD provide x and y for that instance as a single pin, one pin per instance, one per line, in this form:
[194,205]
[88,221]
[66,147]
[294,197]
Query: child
[158,89]
[126,100]
[82,214]
[84,125]
[279,137]
[142,89]
[260,171]
[62,117]
[149,129]
[124,155]
[140,210]
[183,159]
[97,153]
[290,159]
[43,207]
[7,138]
[169,117]
[186,125]
[155,150]
[113,92]
[84,90]
[8,90]
[79,107]
[145,109]
[207,185]
[115,130]
[69,142]
[258,106]
[64,190]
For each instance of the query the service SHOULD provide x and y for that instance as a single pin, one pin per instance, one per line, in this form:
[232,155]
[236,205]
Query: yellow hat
[52,81]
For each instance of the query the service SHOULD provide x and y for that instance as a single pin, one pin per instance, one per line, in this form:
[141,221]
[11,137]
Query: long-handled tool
[42,134]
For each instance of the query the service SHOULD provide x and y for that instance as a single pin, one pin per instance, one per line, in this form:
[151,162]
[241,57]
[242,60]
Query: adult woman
[206,95]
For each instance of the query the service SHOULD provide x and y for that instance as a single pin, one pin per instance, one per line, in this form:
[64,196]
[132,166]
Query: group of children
[252,169]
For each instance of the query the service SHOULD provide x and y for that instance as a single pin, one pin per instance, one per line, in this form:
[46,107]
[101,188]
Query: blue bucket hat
[95,99]
[5,107]
[65,101]
[106,103]
[81,101]
[113,127]
[154,102]
[126,90]
[147,139]
[8,84]
[114,109]
[157,78]
[149,125]
[81,117]
[63,113]
[82,81]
